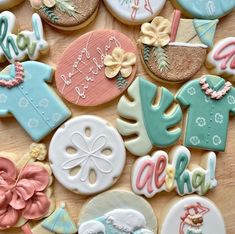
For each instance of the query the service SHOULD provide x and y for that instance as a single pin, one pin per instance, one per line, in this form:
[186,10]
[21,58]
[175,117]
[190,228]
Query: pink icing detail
[136,7]
[22,193]
[19,70]
[148,7]
[160,168]
[215,94]
[175,25]
[26,229]
[226,57]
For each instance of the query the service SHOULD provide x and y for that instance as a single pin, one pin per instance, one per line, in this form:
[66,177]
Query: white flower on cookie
[219,118]
[201,122]
[195,140]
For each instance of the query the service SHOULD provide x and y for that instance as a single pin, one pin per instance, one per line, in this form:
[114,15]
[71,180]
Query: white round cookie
[6,4]
[87,155]
[135,12]
[193,215]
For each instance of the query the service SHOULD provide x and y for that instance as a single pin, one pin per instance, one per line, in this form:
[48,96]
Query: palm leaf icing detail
[67,7]
[152,123]
[50,14]
[161,59]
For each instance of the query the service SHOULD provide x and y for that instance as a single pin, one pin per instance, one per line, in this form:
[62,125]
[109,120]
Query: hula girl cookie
[25,95]
[117,212]
[87,155]
[67,14]
[221,60]
[175,51]
[6,4]
[193,215]
[96,68]
[25,188]
[135,11]
[151,123]
[155,174]
[209,100]
[205,9]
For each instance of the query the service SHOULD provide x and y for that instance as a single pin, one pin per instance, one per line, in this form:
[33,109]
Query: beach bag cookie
[174,51]
[117,211]
[25,95]
[144,121]
[66,14]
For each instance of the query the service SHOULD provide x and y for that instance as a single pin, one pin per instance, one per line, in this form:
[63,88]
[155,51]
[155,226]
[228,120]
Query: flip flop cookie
[135,11]
[192,215]
[87,155]
[96,68]
[117,211]
[206,9]
[66,14]
[6,4]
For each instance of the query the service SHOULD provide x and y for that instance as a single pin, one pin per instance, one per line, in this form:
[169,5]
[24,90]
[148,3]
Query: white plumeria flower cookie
[135,12]
[7,4]
[192,215]
[66,15]
[87,155]
[117,211]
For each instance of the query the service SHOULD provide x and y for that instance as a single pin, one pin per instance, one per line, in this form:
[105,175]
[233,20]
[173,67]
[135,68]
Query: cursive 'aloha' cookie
[205,9]
[155,174]
[6,4]
[175,51]
[117,211]
[96,68]
[25,95]
[209,100]
[151,123]
[67,14]
[221,59]
[135,11]
[87,155]
[192,215]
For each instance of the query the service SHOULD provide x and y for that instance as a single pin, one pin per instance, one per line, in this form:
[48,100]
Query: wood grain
[14,139]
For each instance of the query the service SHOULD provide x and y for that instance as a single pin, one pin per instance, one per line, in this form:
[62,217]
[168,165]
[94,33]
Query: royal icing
[16,47]
[135,11]
[118,212]
[209,101]
[193,215]
[151,123]
[6,4]
[100,150]
[222,57]
[155,174]
[206,9]
[80,76]
[24,94]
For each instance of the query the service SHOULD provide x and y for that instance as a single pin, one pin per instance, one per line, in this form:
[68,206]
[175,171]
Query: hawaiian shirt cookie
[24,94]
[135,11]
[118,212]
[6,4]
[67,15]
[209,100]
[193,215]
[151,124]
[96,68]
[87,155]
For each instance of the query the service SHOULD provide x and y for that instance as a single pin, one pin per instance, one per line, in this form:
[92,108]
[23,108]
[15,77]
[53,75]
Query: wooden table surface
[14,139]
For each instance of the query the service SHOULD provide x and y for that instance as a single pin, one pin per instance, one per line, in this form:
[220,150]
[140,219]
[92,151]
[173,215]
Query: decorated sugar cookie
[160,172]
[25,44]
[66,14]
[25,188]
[205,9]
[135,11]
[6,4]
[193,215]
[87,155]
[210,100]
[25,95]
[221,60]
[151,123]
[117,212]
[175,51]
[96,68]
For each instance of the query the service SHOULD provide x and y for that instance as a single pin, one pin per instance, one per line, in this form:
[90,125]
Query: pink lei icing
[22,193]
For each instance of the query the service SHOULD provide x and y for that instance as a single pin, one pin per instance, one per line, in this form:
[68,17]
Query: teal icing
[206,30]
[35,28]
[156,122]
[207,9]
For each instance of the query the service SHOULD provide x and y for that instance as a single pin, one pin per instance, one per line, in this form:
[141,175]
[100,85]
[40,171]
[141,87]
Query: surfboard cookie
[67,15]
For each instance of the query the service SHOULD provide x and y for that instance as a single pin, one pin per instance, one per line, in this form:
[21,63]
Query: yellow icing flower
[170,177]
[37,4]
[119,61]
[38,151]
[156,33]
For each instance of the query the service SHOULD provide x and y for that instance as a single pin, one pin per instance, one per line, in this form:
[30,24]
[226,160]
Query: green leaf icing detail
[121,82]
[161,59]
[67,7]
[49,12]
[147,51]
